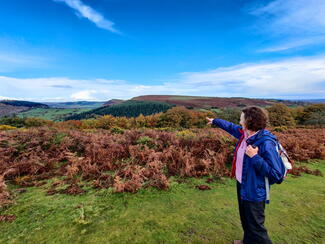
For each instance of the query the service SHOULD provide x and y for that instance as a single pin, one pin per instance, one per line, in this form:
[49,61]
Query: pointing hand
[209,120]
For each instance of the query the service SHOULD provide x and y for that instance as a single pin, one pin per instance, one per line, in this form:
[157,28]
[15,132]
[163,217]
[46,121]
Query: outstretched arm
[231,128]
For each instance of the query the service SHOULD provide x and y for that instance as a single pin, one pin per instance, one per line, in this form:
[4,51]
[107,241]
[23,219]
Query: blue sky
[66,50]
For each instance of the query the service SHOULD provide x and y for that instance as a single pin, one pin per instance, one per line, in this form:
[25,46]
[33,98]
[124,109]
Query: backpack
[286,166]
[286,163]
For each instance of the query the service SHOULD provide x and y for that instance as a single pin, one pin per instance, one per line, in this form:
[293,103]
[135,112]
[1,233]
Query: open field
[182,214]
[55,114]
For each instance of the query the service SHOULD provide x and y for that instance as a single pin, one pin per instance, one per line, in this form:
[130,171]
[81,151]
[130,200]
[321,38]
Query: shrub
[229,114]
[70,124]
[186,134]
[140,121]
[313,115]
[13,121]
[117,130]
[37,122]
[123,122]
[7,127]
[145,140]
[105,122]
[175,117]
[280,115]
[87,123]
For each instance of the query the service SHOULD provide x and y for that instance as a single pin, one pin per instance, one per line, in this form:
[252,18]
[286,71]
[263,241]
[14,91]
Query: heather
[128,160]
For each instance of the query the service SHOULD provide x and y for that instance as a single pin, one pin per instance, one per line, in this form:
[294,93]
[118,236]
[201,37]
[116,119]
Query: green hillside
[55,114]
[24,104]
[127,109]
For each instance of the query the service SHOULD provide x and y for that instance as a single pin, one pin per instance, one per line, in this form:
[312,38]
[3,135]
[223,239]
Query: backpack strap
[267,188]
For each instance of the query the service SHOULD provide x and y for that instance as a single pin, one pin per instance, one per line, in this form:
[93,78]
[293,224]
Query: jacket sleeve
[269,163]
[231,128]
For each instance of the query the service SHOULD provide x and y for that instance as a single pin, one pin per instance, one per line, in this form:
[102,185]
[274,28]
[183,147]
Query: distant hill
[312,100]
[28,104]
[128,109]
[113,102]
[8,110]
[49,110]
[146,105]
[12,107]
[197,102]
[73,105]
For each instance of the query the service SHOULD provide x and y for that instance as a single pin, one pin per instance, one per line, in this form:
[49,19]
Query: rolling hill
[146,105]
[128,108]
[12,107]
[56,111]
[140,105]
[8,110]
[198,102]
[28,104]
[113,102]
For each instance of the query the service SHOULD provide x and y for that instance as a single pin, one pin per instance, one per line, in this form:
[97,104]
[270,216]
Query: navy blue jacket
[266,163]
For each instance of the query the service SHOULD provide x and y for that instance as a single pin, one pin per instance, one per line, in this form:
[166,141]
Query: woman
[256,161]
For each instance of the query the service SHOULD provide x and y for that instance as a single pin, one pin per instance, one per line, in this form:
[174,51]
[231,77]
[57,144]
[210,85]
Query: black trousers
[252,219]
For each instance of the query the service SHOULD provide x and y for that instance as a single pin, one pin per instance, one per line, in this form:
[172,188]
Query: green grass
[55,114]
[182,214]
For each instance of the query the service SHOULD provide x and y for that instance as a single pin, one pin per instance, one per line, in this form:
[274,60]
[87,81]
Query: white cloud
[291,78]
[294,44]
[294,16]
[82,10]
[84,95]
[298,22]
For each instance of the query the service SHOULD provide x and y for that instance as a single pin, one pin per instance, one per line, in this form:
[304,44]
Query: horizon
[98,50]
[104,101]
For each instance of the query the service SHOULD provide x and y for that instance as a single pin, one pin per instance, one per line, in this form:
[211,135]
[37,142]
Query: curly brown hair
[255,118]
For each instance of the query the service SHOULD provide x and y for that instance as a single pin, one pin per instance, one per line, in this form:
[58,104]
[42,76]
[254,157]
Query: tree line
[181,117]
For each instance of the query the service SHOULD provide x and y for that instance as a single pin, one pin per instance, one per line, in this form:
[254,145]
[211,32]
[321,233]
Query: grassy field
[55,114]
[182,214]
